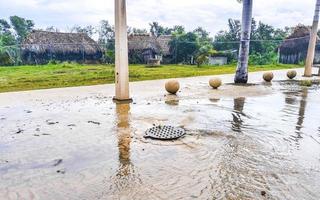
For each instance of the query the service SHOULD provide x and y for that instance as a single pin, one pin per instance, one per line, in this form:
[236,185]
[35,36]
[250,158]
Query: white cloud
[210,14]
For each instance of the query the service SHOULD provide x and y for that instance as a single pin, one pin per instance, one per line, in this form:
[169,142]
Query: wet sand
[243,142]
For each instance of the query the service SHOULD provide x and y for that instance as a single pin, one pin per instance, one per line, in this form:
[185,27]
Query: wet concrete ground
[243,142]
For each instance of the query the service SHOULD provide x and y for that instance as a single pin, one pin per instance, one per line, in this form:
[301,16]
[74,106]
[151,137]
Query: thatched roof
[42,41]
[298,40]
[294,48]
[145,41]
[300,31]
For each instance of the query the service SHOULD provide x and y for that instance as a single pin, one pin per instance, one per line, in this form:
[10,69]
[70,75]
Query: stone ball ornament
[172,86]
[215,83]
[292,74]
[268,76]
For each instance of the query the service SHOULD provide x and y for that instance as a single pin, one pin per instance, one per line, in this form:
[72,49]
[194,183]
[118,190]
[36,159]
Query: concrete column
[312,42]
[121,52]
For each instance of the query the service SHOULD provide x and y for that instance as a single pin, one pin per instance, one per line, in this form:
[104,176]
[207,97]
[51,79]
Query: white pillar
[121,52]
[312,42]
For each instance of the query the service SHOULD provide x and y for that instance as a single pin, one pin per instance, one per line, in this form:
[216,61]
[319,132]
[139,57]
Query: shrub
[307,83]
[5,59]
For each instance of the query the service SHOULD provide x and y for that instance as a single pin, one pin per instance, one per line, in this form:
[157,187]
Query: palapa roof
[158,44]
[41,41]
[298,41]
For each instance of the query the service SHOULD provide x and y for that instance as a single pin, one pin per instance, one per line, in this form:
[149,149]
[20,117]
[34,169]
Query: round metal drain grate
[164,133]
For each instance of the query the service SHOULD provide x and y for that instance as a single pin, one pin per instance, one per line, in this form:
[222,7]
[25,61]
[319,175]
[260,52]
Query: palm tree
[312,42]
[242,69]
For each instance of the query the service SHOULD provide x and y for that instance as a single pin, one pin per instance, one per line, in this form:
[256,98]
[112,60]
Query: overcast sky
[210,14]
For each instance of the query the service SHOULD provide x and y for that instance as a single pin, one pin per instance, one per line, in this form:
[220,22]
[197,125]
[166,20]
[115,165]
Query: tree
[89,30]
[157,30]
[312,42]
[21,26]
[204,36]
[184,46]
[6,37]
[177,29]
[203,54]
[242,68]
[4,27]
[106,32]
[139,31]
[228,40]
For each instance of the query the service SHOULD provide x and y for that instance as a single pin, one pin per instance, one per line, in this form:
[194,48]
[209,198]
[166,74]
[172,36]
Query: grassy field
[66,75]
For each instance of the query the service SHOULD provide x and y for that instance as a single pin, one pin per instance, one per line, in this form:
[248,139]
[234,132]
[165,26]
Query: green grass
[66,75]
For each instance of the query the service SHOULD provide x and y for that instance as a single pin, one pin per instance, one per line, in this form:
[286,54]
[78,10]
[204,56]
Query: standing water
[265,147]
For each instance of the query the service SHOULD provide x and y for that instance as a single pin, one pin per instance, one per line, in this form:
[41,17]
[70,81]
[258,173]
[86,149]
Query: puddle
[261,147]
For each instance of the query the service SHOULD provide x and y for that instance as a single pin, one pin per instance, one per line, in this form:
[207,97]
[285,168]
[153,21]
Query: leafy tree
[21,26]
[106,32]
[157,30]
[203,54]
[204,36]
[4,27]
[177,29]
[6,40]
[6,37]
[228,40]
[89,30]
[184,46]
[139,31]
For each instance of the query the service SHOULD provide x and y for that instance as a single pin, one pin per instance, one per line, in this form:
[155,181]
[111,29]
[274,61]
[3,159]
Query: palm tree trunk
[312,42]
[242,69]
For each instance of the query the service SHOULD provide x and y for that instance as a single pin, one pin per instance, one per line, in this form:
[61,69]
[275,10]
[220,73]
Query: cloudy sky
[210,14]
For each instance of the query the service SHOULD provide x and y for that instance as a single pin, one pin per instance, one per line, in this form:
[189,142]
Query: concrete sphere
[268,76]
[215,83]
[172,86]
[292,74]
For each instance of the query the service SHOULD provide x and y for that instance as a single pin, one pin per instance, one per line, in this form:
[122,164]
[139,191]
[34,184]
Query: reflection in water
[213,100]
[172,100]
[124,135]
[125,176]
[237,113]
[302,110]
[290,100]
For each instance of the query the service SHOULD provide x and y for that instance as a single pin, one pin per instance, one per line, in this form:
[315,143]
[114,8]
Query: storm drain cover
[164,133]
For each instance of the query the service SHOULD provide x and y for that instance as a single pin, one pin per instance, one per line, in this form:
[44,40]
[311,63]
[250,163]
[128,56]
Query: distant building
[294,49]
[42,46]
[145,47]
[218,60]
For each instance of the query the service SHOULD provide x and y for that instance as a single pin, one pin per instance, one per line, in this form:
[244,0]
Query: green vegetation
[307,83]
[66,75]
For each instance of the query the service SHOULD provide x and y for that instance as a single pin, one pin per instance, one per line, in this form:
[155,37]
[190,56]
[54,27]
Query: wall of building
[218,60]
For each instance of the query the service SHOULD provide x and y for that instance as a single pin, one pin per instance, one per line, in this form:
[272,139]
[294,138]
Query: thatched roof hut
[294,49]
[42,46]
[143,47]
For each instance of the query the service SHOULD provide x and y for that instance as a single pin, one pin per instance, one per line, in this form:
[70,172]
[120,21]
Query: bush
[109,57]
[306,83]
[202,59]
[263,59]
[5,59]
[54,62]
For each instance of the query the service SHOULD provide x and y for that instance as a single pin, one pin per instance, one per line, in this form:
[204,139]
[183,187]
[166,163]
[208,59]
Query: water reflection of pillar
[302,110]
[124,138]
[237,113]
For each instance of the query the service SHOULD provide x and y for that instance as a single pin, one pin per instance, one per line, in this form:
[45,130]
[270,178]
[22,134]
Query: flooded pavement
[255,142]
